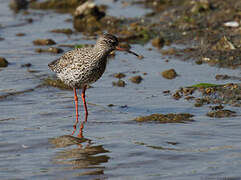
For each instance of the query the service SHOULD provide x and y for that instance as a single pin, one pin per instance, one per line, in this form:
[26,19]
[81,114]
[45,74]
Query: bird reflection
[83,156]
[80,134]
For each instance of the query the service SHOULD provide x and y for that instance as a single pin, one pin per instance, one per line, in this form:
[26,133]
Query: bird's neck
[101,50]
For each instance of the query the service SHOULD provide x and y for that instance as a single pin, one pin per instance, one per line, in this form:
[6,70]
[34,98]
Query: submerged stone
[166,118]
[119,75]
[56,4]
[169,74]
[225,76]
[16,5]
[49,50]
[177,95]
[119,83]
[64,31]
[26,65]
[44,42]
[221,113]
[55,83]
[136,79]
[201,101]
[3,62]
[158,42]
[20,34]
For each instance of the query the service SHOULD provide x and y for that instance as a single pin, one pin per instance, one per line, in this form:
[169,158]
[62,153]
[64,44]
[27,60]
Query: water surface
[35,126]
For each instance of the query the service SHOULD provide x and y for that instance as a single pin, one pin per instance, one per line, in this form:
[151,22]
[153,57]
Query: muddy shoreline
[210,31]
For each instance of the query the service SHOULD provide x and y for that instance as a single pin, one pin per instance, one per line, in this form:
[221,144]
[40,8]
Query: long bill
[127,50]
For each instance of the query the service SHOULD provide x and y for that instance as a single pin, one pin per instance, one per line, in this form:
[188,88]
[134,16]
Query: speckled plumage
[82,66]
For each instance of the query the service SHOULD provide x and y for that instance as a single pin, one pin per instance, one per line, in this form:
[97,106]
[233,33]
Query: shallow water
[35,126]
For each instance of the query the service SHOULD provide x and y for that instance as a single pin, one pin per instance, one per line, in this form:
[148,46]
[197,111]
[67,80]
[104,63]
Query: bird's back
[79,66]
[78,55]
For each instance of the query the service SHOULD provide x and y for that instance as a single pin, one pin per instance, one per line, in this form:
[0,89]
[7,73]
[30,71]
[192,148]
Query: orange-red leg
[80,135]
[84,102]
[76,110]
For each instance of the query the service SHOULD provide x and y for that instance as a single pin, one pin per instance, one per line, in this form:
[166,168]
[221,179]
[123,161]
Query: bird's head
[109,43]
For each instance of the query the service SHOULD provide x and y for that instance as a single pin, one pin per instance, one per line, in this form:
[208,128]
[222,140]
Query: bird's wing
[68,59]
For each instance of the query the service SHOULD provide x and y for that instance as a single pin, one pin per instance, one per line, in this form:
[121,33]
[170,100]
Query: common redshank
[83,66]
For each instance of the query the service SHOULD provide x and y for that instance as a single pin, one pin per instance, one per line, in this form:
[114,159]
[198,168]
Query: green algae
[79,46]
[205,85]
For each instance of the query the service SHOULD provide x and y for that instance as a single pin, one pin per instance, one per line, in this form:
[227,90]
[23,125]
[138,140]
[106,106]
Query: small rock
[172,143]
[49,50]
[119,83]
[29,20]
[55,83]
[166,118]
[3,62]
[225,76]
[87,17]
[171,51]
[124,106]
[55,4]
[169,74]
[136,79]
[188,91]
[166,92]
[119,75]
[221,113]
[199,61]
[200,102]
[64,31]
[88,8]
[20,34]
[158,42]
[26,65]
[177,95]
[44,42]
[217,107]
[55,50]
[39,50]
[189,98]
[18,4]
[222,77]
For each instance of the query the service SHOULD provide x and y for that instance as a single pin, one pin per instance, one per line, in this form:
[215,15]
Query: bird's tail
[53,64]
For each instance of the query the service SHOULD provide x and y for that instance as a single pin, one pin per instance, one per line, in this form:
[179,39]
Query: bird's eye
[110,42]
